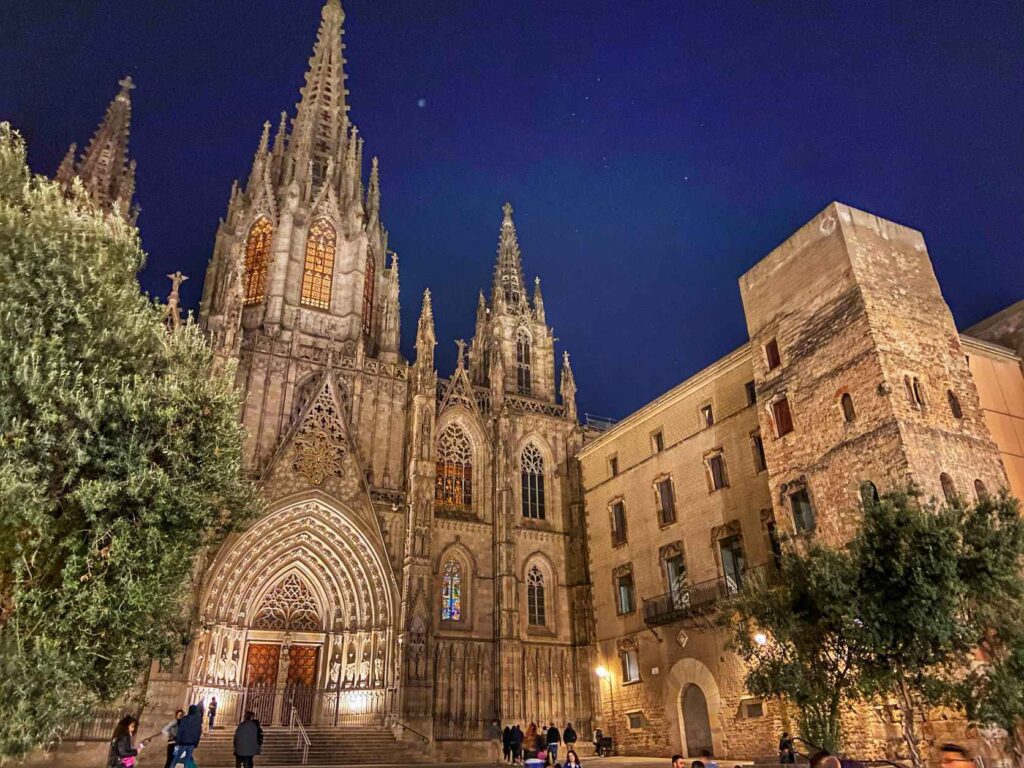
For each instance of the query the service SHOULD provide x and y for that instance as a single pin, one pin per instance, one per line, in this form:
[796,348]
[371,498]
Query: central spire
[322,111]
[508,272]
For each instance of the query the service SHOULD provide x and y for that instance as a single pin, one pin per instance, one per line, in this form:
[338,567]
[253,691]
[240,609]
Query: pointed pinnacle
[507,210]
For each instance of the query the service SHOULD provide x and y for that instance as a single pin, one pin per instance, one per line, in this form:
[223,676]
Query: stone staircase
[341,746]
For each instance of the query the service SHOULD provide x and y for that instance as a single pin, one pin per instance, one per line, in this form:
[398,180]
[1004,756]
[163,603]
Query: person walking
[554,738]
[212,711]
[170,731]
[569,737]
[190,731]
[787,753]
[123,752]
[248,741]
[506,744]
[517,743]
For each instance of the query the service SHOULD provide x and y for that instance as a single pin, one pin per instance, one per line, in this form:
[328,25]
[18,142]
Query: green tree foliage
[900,613]
[120,457]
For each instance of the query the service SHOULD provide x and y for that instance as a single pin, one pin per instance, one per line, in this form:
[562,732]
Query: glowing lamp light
[601,672]
[761,638]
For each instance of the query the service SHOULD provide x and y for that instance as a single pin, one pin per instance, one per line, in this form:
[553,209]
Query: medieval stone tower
[421,557]
[862,382]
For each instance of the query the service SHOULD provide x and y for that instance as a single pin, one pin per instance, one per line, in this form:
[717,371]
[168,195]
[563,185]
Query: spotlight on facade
[761,638]
[601,672]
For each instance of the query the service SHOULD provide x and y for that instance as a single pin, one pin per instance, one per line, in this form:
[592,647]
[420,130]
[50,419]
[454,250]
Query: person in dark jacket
[190,731]
[211,711]
[506,744]
[554,739]
[248,741]
[569,736]
[517,743]
[123,751]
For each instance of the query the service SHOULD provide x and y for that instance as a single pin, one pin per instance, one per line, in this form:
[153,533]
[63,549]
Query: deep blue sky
[653,150]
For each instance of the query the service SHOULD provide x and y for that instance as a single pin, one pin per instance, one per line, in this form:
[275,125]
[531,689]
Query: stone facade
[854,374]
[421,559]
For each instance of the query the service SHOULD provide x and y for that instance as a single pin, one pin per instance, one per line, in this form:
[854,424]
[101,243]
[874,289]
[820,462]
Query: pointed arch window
[948,488]
[535,597]
[523,383]
[533,482]
[368,284]
[318,274]
[257,259]
[453,486]
[451,592]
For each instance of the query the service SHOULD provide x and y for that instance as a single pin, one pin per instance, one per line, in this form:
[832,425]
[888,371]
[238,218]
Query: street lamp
[761,638]
[603,674]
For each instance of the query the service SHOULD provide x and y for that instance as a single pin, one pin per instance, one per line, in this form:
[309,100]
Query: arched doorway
[300,615]
[696,723]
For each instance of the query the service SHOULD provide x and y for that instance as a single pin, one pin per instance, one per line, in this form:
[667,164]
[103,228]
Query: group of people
[539,746]
[183,734]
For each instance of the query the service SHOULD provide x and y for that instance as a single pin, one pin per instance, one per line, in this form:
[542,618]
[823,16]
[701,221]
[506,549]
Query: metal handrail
[413,730]
[302,742]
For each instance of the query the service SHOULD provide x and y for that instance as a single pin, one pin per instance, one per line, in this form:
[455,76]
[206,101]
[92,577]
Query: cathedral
[420,560]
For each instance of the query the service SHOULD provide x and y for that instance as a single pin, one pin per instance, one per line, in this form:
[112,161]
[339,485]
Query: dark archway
[696,723]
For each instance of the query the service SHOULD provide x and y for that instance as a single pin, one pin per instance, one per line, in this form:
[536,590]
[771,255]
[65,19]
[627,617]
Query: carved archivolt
[346,574]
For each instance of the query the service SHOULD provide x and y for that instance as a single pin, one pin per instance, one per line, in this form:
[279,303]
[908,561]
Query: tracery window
[451,592]
[533,482]
[318,274]
[257,259]
[454,482]
[289,606]
[523,362]
[371,267]
[535,608]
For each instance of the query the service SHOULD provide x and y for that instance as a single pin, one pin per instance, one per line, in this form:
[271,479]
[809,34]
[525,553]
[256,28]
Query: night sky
[653,151]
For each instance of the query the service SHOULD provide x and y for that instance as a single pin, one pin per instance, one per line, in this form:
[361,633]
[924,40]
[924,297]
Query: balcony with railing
[691,600]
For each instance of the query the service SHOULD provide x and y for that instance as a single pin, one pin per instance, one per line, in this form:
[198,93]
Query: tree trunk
[909,735]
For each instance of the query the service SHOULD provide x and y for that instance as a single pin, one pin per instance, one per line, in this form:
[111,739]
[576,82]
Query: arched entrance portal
[695,721]
[300,612]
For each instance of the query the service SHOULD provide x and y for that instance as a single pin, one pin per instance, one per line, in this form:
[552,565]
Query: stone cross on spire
[508,271]
[172,312]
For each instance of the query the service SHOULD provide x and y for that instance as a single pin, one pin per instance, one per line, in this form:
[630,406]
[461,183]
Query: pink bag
[128,762]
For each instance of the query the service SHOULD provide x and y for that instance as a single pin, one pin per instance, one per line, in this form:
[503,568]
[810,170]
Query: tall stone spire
[373,196]
[508,272]
[538,301]
[568,388]
[104,169]
[321,111]
[426,340]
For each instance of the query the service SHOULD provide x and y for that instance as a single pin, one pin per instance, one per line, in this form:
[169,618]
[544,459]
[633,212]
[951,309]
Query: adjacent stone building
[855,381]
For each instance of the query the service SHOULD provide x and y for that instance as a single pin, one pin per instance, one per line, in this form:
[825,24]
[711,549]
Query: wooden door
[261,664]
[300,685]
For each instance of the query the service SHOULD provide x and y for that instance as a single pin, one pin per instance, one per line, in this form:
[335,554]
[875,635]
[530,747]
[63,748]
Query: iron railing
[690,600]
[98,725]
[273,704]
[302,740]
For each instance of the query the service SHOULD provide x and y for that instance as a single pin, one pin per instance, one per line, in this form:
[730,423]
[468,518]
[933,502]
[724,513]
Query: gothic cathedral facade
[421,559]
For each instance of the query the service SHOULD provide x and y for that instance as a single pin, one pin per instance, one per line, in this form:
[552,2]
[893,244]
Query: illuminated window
[533,483]
[257,257]
[371,266]
[523,362]
[536,611]
[318,274]
[451,592]
[454,482]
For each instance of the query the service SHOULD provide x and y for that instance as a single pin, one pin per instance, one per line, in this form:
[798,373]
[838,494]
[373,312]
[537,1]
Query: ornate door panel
[300,684]
[261,665]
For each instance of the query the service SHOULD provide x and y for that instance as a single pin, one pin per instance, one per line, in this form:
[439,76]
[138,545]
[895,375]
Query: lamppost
[603,674]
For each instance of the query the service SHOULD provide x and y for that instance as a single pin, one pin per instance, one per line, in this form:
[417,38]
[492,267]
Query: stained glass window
[318,274]
[371,266]
[537,614]
[454,482]
[523,362]
[257,258]
[533,482]
[451,592]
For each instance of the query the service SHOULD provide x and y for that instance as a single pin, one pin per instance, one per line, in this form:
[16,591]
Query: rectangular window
[658,441]
[613,466]
[751,392]
[753,708]
[625,589]
[783,418]
[760,463]
[707,416]
[803,512]
[630,666]
[675,575]
[771,355]
[716,466]
[733,564]
[667,513]
[636,719]
[618,524]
